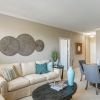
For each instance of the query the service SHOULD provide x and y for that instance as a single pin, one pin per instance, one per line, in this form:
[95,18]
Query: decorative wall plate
[26,44]
[9,46]
[39,45]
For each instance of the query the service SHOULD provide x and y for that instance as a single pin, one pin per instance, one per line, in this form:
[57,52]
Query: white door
[65,52]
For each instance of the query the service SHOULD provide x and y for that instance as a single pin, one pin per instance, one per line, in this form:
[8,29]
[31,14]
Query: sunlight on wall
[92,39]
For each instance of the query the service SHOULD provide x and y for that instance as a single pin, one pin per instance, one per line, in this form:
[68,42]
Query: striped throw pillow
[8,73]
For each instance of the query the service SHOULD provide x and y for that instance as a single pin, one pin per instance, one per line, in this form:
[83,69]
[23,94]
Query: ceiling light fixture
[90,34]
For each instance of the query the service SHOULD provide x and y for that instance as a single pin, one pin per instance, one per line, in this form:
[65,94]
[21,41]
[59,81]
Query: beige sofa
[27,81]
[1,97]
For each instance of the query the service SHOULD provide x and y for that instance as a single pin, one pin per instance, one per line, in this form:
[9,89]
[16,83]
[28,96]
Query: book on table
[58,86]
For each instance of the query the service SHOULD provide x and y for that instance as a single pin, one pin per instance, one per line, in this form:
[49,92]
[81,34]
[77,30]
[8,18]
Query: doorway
[64,52]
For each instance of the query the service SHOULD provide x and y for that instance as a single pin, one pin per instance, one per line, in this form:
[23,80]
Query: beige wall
[10,26]
[93,50]
[87,49]
[98,44]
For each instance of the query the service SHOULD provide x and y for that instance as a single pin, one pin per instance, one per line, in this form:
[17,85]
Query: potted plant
[54,57]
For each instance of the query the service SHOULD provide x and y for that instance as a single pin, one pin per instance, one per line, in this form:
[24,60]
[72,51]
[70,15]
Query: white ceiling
[75,15]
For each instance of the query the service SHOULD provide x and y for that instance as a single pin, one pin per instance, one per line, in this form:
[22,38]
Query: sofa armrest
[56,70]
[1,97]
[3,86]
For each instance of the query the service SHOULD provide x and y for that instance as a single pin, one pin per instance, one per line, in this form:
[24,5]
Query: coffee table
[46,93]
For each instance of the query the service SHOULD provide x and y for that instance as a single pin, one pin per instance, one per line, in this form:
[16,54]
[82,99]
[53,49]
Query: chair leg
[81,77]
[86,85]
[96,89]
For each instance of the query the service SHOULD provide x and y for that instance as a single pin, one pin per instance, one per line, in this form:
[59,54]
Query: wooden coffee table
[46,93]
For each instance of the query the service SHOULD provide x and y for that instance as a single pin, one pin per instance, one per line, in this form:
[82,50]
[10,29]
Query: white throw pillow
[28,68]
[42,61]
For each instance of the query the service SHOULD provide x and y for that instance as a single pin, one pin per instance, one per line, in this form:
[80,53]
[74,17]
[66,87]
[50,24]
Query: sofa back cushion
[28,68]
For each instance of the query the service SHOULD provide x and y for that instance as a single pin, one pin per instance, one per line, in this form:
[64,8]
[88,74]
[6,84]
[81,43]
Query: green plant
[54,56]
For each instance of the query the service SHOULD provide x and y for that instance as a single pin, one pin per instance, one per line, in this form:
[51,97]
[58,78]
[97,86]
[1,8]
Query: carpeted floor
[81,93]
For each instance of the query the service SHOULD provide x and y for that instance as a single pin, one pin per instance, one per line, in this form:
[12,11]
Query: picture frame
[78,47]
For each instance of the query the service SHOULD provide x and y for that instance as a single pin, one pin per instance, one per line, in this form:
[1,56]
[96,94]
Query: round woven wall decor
[26,44]
[39,45]
[9,46]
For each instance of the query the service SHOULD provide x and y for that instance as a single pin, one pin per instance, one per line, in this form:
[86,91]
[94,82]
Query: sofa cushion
[51,75]
[41,68]
[28,68]
[35,78]
[18,83]
[58,71]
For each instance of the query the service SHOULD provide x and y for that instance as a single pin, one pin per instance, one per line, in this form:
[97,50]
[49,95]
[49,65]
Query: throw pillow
[8,73]
[41,68]
[14,67]
[50,66]
[28,68]
[18,68]
[42,61]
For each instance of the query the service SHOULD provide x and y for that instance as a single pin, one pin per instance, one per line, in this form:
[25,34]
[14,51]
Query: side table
[60,67]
